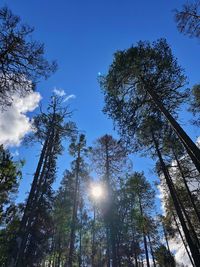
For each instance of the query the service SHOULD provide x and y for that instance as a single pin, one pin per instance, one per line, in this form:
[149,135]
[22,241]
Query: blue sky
[82,36]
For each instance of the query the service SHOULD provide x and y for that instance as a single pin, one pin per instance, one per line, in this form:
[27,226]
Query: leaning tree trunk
[190,225]
[166,238]
[193,248]
[189,145]
[187,187]
[29,218]
[183,241]
[28,209]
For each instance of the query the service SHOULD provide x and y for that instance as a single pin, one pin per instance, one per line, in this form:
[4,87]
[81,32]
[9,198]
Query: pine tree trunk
[113,240]
[74,215]
[108,247]
[93,237]
[107,168]
[183,241]
[134,250]
[29,219]
[166,238]
[190,225]
[187,187]
[189,145]
[151,249]
[144,236]
[23,233]
[80,241]
[193,248]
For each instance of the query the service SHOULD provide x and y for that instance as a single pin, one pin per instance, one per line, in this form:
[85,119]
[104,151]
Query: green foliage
[135,71]
[22,59]
[164,258]
[188,19]
[8,232]
[195,104]
[10,174]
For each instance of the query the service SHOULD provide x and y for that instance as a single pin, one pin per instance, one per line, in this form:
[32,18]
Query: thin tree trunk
[108,247]
[74,216]
[151,249]
[142,262]
[193,248]
[93,237]
[80,241]
[166,238]
[144,236]
[189,145]
[185,245]
[134,249]
[187,187]
[113,244]
[107,168]
[190,225]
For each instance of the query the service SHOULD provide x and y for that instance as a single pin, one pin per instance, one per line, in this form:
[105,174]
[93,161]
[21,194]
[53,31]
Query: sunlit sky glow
[97,191]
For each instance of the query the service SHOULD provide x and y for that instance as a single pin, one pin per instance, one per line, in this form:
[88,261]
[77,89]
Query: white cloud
[14,123]
[181,256]
[59,92]
[69,97]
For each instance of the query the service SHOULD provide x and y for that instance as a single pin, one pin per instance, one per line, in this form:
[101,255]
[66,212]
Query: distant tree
[8,232]
[61,217]
[195,104]
[188,19]
[49,128]
[78,150]
[109,157]
[143,196]
[164,258]
[10,174]
[22,60]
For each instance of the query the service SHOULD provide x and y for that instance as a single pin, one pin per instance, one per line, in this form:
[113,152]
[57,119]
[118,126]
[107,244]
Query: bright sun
[97,191]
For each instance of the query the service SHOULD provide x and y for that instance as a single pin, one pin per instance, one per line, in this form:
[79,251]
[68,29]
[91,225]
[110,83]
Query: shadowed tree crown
[22,61]
[133,73]
[188,19]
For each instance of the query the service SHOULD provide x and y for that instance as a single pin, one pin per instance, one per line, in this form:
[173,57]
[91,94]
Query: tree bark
[107,168]
[144,236]
[193,248]
[93,237]
[185,245]
[74,214]
[151,249]
[187,187]
[22,236]
[187,142]
[166,238]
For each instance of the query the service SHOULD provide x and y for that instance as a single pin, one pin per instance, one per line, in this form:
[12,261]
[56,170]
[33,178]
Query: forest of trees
[114,220]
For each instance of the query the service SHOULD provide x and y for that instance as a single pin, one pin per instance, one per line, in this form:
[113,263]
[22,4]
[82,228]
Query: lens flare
[96,191]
